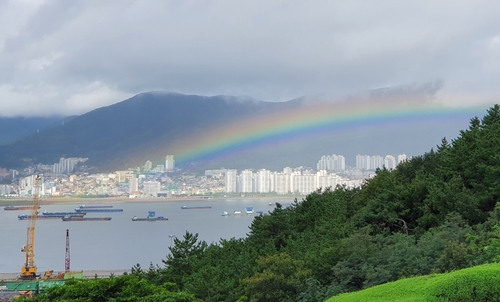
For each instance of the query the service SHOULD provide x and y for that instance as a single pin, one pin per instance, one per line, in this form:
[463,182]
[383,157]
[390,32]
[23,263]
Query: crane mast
[28,271]
[67,258]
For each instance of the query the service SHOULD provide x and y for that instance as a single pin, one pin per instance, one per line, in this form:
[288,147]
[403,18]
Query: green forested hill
[436,213]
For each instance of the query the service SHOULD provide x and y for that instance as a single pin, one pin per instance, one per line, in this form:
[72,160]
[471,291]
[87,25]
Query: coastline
[22,201]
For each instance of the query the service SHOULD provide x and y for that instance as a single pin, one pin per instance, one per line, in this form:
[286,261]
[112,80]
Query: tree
[278,278]
[179,262]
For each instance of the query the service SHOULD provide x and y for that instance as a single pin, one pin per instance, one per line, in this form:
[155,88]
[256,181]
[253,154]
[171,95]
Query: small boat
[236,212]
[224,213]
[249,210]
[13,208]
[150,217]
[272,204]
[198,207]
[78,218]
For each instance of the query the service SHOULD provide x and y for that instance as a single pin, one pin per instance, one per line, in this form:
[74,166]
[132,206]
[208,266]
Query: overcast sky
[69,57]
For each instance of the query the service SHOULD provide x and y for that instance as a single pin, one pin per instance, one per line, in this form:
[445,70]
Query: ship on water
[13,208]
[83,206]
[61,214]
[78,218]
[42,217]
[198,207]
[97,210]
[150,217]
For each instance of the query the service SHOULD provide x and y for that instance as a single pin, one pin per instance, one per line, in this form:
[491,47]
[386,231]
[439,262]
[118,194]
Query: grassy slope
[480,283]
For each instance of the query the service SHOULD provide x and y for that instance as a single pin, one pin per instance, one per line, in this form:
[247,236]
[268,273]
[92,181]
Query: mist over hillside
[16,128]
[224,131]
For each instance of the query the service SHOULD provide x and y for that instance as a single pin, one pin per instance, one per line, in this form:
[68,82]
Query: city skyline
[299,180]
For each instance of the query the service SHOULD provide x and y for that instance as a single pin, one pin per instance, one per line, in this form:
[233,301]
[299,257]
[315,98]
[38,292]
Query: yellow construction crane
[28,271]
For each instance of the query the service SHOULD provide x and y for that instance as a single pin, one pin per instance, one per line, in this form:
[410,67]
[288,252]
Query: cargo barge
[192,208]
[94,207]
[239,213]
[151,217]
[97,210]
[78,218]
[26,217]
[62,214]
[13,208]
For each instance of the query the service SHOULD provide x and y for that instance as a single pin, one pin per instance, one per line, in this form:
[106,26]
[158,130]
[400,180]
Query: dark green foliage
[278,278]
[217,276]
[438,212]
[127,288]
[183,257]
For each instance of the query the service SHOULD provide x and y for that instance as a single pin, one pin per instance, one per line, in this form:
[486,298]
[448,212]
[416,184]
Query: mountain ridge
[150,125]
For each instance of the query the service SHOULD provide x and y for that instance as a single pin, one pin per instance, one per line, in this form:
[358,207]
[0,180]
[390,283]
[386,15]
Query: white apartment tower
[133,184]
[332,162]
[263,181]
[148,165]
[322,179]
[363,162]
[303,183]
[246,181]
[390,162]
[66,165]
[231,181]
[169,163]
[27,185]
[376,161]
[282,183]
[401,158]
[5,189]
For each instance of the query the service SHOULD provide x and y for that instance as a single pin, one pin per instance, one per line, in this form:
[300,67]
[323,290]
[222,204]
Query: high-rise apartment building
[363,162]
[263,181]
[66,165]
[390,162]
[373,162]
[5,189]
[303,183]
[27,185]
[332,162]
[169,163]
[246,181]
[282,183]
[376,162]
[148,165]
[231,183]
[401,158]
[133,184]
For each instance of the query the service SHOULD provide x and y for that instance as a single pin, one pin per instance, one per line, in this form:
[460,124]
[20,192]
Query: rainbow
[307,120]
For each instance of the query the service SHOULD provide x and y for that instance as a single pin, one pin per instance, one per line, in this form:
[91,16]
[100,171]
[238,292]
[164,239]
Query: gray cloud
[68,57]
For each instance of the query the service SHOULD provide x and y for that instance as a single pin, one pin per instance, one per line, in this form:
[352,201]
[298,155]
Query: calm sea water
[120,243]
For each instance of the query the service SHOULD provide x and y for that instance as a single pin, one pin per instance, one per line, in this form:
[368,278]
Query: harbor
[95,244]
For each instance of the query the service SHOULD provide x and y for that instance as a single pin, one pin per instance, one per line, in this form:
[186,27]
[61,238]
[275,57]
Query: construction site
[30,281]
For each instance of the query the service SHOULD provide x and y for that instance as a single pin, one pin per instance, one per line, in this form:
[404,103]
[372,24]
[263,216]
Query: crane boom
[28,271]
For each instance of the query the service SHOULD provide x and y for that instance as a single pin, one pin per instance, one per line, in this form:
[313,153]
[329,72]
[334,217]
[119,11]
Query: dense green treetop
[435,213]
